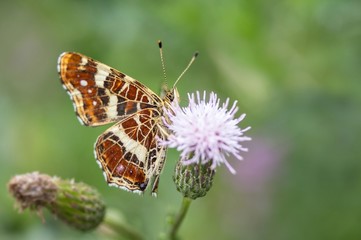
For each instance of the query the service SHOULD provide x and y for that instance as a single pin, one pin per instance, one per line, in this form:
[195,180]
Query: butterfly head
[171,95]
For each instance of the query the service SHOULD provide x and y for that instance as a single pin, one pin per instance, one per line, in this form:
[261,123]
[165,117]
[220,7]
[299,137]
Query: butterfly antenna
[195,55]
[160,45]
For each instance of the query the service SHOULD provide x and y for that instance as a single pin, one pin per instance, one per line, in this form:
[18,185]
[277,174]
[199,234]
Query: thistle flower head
[206,131]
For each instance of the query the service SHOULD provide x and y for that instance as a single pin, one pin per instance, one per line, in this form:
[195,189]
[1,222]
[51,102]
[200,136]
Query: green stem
[121,228]
[179,218]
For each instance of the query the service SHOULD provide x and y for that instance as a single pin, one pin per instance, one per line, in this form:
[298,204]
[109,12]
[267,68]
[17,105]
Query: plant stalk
[179,218]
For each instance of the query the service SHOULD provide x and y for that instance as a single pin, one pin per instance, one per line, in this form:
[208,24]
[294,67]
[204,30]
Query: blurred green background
[293,66]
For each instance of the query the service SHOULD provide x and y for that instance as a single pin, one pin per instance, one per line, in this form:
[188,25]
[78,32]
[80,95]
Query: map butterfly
[129,152]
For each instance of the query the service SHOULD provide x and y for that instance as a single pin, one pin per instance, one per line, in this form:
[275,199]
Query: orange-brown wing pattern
[100,93]
[129,153]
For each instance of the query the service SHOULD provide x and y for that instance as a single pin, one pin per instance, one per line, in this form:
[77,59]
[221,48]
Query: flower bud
[193,180]
[77,204]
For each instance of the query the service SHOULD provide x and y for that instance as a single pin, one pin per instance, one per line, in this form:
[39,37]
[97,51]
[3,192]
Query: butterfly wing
[129,153]
[100,93]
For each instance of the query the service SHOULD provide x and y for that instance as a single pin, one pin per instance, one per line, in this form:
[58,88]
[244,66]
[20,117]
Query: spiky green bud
[193,180]
[77,204]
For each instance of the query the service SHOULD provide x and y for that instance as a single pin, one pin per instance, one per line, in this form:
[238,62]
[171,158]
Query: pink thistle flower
[206,131]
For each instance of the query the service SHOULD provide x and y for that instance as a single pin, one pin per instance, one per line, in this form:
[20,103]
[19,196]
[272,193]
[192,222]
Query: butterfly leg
[155,183]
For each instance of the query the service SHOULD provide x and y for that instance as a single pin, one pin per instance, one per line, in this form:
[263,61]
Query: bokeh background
[293,66]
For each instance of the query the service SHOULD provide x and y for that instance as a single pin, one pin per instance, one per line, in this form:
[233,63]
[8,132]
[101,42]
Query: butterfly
[129,152]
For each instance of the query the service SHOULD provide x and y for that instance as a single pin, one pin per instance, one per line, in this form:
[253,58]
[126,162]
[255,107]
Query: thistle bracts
[76,204]
[193,180]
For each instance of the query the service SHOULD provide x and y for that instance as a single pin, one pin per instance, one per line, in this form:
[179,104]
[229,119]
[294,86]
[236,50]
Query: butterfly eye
[171,96]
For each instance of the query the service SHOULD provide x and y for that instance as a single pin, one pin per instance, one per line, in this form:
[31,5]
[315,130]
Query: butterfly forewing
[128,152]
[100,93]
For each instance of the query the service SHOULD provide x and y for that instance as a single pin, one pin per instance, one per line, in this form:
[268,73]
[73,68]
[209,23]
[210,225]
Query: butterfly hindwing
[128,152]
